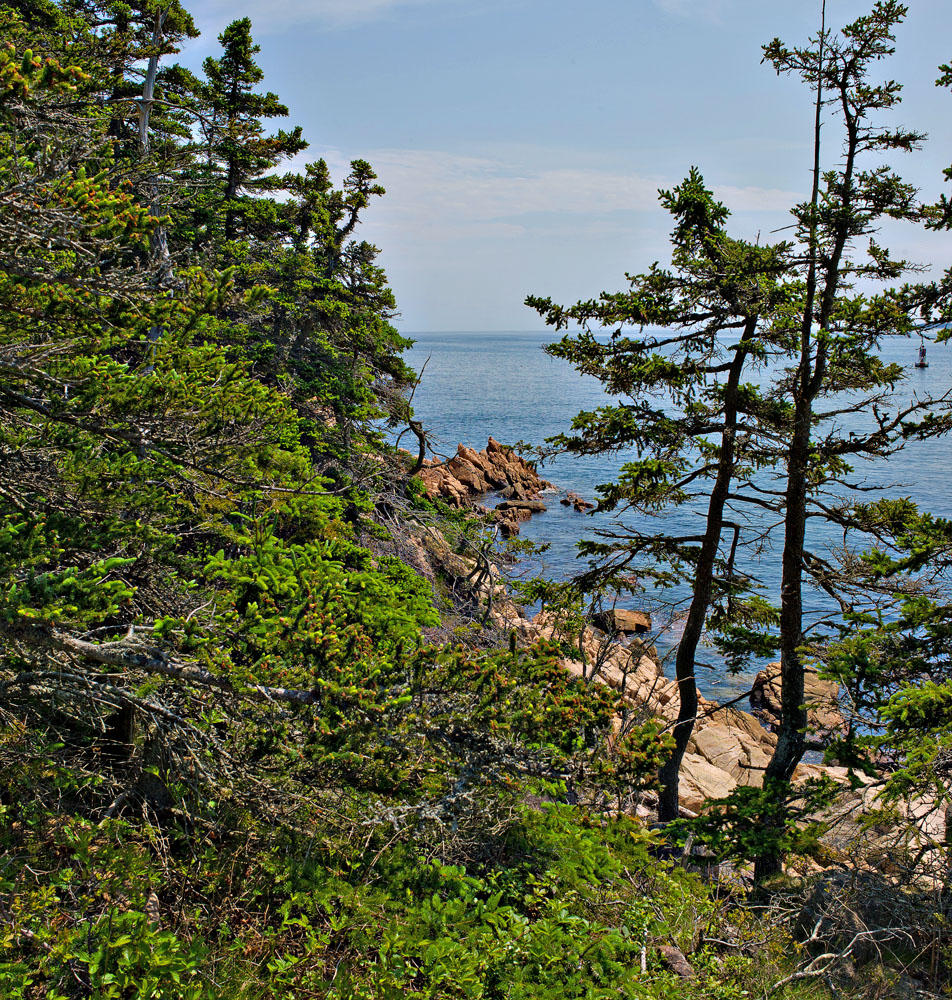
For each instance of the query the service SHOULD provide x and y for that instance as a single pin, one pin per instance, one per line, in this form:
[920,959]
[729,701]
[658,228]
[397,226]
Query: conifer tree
[893,659]
[686,411]
[821,340]
[835,338]
[137,37]
[240,153]
[339,330]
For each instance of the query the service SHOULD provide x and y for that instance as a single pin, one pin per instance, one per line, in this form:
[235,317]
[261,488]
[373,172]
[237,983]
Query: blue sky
[522,142]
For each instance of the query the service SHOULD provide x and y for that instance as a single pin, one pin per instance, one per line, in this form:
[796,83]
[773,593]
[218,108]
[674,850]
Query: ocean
[479,384]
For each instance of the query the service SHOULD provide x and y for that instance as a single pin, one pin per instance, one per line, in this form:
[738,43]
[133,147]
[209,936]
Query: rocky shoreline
[729,747]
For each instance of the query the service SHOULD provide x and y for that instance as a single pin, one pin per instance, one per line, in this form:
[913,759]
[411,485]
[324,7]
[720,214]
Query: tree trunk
[161,258]
[793,714]
[668,775]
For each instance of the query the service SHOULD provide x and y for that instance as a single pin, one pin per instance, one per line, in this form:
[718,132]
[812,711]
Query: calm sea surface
[502,384]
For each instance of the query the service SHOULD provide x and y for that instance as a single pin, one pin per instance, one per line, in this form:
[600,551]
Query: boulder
[516,492]
[472,456]
[717,745]
[468,474]
[748,727]
[453,491]
[532,506]
[674,959]
[513,514]
[497,472]
[624,621]
[700,780]
[498,457]
[822,701]
[508,528]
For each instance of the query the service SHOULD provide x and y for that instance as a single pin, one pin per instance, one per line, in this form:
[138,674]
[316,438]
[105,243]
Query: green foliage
[233,759]
[752,822]
[122,954]
[701,433]
[238,149]
[698,431]
[893,660]
[566,907]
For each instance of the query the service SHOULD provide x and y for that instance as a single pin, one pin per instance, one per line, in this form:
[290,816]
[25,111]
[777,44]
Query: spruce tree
[836,334]
[696,331]
[239,149]
[820,340]
[341,328]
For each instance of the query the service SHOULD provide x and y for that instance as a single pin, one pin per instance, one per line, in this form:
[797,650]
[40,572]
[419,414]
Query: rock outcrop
[469,474]
[574,500]
[624,622]
[728,748]
[822,701]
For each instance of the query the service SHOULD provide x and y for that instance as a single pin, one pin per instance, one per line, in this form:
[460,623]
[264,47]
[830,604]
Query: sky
[522,143]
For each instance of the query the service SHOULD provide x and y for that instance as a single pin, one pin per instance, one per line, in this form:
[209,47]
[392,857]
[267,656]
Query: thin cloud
[331,13]
[441,194]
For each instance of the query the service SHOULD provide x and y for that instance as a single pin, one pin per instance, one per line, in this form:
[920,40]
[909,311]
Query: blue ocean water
[502,384]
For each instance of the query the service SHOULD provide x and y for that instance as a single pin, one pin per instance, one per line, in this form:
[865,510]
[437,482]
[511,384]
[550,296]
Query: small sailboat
[921,362]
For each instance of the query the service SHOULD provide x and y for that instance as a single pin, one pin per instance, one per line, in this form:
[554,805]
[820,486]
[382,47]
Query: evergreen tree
[336,308]
[893,657]
[893,663]
[820,340]
[687,412]
[231,760]
[835,337]
[240,152]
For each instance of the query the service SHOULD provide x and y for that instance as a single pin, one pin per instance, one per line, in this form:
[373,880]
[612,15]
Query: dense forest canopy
[263,731]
